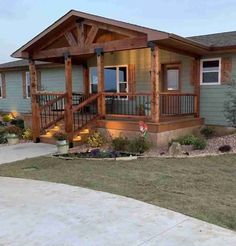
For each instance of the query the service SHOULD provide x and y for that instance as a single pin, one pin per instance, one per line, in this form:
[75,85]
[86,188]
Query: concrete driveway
[26,150]
[50,214]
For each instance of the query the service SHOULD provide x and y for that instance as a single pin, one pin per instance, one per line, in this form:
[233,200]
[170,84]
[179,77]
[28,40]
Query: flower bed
[98,154]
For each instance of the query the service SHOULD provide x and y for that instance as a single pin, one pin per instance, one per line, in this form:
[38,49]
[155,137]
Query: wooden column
[155,80]
[100,72]
[68,106]
[34,104]
[197,88]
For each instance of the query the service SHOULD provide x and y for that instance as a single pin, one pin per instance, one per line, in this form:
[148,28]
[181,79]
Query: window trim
[118,82]
[1,89]
[26,85]
[219,71]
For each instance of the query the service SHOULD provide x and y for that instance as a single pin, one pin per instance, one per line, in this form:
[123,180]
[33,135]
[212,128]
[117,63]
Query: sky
[21,20]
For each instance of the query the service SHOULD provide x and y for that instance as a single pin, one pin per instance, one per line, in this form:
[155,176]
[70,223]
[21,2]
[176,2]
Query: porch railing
[51,108]
[128,104]
[177,104]
[85,112]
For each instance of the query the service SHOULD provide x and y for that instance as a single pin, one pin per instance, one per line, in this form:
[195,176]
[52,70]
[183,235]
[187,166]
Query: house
[89,71]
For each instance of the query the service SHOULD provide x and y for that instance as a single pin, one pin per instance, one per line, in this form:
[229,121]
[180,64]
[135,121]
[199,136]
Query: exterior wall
[212,98]
[52,79]
[142,60]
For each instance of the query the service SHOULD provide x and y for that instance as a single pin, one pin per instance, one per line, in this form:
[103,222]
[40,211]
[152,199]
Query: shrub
[138,145]
[120,143]
[19,123]
[225,148]
[199,143]
[27,134]
[6,118]
[207,131]
[186,140]
[95,140]
[60,136]
[13,130]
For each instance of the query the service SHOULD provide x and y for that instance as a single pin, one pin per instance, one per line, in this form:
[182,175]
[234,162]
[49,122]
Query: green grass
[204,188]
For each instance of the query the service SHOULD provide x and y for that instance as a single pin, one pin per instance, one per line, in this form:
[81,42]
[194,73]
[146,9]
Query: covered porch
[114,90]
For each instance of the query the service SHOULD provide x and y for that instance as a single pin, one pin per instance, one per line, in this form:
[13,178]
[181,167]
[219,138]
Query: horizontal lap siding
[14,100]
[52,79]
[213,98]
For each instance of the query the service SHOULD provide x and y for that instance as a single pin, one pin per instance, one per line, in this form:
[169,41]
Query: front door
[170,100]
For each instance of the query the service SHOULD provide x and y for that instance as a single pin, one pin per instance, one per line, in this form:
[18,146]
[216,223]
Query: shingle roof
[217,39]
[20,63]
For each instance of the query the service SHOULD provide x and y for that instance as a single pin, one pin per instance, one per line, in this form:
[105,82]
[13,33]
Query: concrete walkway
[26,150]
[50,214]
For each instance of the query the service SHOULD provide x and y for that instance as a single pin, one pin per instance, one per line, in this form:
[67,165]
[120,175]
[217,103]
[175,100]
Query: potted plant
[12,134]
[62,144]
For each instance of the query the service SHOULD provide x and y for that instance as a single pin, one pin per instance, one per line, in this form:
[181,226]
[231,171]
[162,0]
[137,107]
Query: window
[1,86]
[27,84]
[115,79]
[172,79]
[210,71]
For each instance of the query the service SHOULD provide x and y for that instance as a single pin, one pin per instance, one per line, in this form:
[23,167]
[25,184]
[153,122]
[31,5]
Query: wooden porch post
[197,88]
[68,106]
[100,71]
[155,80]
[34,103]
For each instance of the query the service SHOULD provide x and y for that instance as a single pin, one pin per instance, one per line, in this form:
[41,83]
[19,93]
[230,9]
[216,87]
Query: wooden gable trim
[70,39]
[116,45]
[91,36]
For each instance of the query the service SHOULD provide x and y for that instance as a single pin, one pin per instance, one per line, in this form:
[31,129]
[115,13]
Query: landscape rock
[175,149]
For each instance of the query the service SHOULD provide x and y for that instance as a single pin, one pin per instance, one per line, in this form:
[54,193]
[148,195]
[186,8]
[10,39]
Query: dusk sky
[21,20]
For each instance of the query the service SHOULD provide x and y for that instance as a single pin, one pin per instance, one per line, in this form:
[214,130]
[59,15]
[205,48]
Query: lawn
[204,188]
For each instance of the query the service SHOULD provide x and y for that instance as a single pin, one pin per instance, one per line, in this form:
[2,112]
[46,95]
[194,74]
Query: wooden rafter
[70,39]
[91,36]
[122,31]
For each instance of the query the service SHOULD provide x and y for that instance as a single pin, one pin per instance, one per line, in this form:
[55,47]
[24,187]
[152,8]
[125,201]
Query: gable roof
[20,63]
[224,39]
[73,15]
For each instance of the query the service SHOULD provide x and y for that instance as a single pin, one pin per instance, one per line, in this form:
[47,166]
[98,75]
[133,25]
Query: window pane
[0,90]
[110,79]
[28,90]
[214,63]
[172,79]
[123,87]
[94,88]
[123,74]
[93,75]
[210,77]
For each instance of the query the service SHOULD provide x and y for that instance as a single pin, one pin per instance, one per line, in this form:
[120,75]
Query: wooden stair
[79,138]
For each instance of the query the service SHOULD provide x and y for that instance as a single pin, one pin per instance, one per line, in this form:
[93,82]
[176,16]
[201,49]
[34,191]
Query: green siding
[212,98]
[52,79]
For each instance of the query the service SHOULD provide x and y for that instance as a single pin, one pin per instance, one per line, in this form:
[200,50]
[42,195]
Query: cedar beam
[70,39]
[91,36]
[80,34]
[68,106]
[34,104]
[100,72]
[116,45]
[155,81]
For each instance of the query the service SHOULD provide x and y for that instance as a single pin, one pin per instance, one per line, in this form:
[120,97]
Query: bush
[6,118]
[207,131]
[95,140]
[120,143]
[27,134]
[138,145]
[13,130]
[198,143]
[19,123]
[60,136]
[225,148]
[186,140]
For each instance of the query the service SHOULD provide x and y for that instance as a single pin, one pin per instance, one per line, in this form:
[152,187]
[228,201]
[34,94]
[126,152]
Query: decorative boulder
[175,149]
